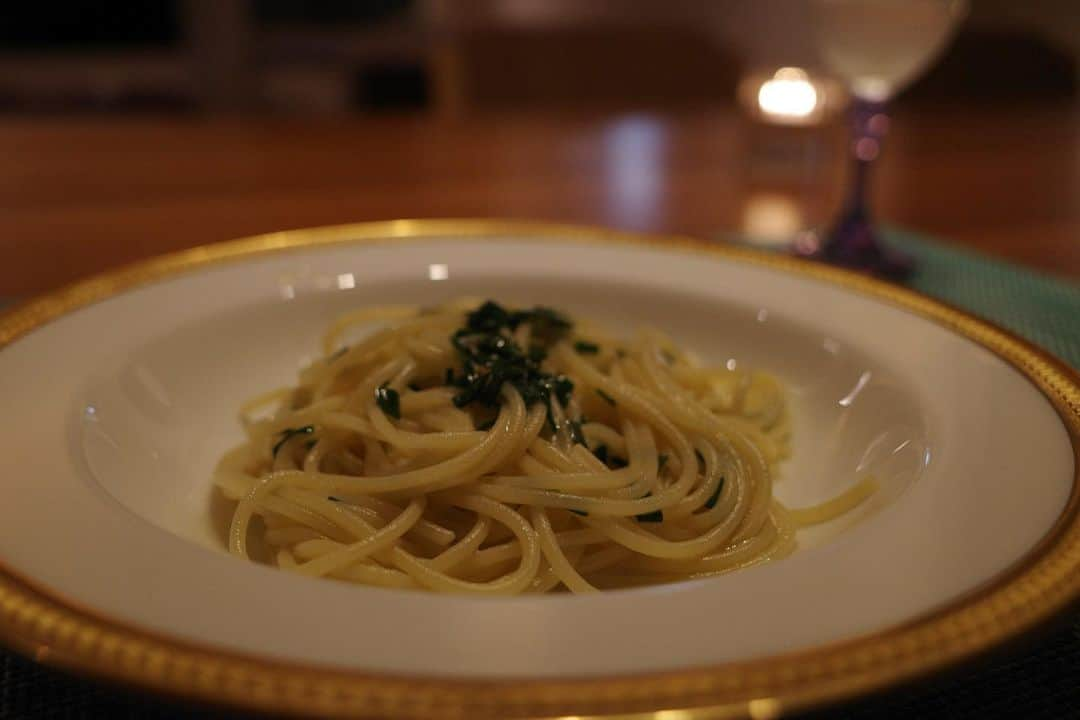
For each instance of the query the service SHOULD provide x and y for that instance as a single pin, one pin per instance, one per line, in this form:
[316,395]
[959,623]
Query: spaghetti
[474,448]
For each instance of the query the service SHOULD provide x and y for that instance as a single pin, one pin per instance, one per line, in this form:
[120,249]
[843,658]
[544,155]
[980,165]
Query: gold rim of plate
[57,630]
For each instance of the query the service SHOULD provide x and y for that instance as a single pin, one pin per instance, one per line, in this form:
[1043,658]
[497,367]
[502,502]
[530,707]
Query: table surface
[79,195]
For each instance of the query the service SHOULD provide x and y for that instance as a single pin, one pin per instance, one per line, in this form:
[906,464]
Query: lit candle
[788,95]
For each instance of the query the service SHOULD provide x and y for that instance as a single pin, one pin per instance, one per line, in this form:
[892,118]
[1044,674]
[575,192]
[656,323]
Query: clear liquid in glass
[878,46]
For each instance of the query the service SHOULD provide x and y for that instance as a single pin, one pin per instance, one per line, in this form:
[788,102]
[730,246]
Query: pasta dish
[477,448]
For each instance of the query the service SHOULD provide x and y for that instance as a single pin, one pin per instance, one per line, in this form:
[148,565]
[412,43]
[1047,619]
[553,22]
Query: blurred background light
[788,94]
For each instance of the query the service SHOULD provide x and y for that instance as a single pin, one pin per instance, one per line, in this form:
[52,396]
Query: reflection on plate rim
[60,631]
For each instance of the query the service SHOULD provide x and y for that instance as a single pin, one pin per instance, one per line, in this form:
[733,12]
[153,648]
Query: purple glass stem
[853,241]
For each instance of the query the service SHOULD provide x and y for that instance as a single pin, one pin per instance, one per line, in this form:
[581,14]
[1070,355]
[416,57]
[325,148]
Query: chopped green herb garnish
[388,400]
[489,317]
[610,400]
[548,325]
[338,353]
[582,513]
[289,433]
[585,347]
[711,502]
[563,387]
[491,357]
[331,498]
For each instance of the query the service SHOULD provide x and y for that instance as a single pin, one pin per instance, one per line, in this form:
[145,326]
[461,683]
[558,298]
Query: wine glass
[876,47]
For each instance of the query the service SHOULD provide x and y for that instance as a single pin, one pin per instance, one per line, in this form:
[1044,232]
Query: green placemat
[1042,309]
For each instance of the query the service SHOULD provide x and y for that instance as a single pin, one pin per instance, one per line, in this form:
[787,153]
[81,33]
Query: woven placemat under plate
[1039,678]
[1044,310]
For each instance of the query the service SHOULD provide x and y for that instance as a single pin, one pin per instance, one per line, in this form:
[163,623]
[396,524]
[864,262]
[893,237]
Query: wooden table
[78,195]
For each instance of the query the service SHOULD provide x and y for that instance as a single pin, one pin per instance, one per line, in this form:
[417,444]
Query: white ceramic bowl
[122,392]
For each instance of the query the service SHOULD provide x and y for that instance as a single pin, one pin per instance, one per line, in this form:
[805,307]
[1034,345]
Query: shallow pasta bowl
[123,391]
